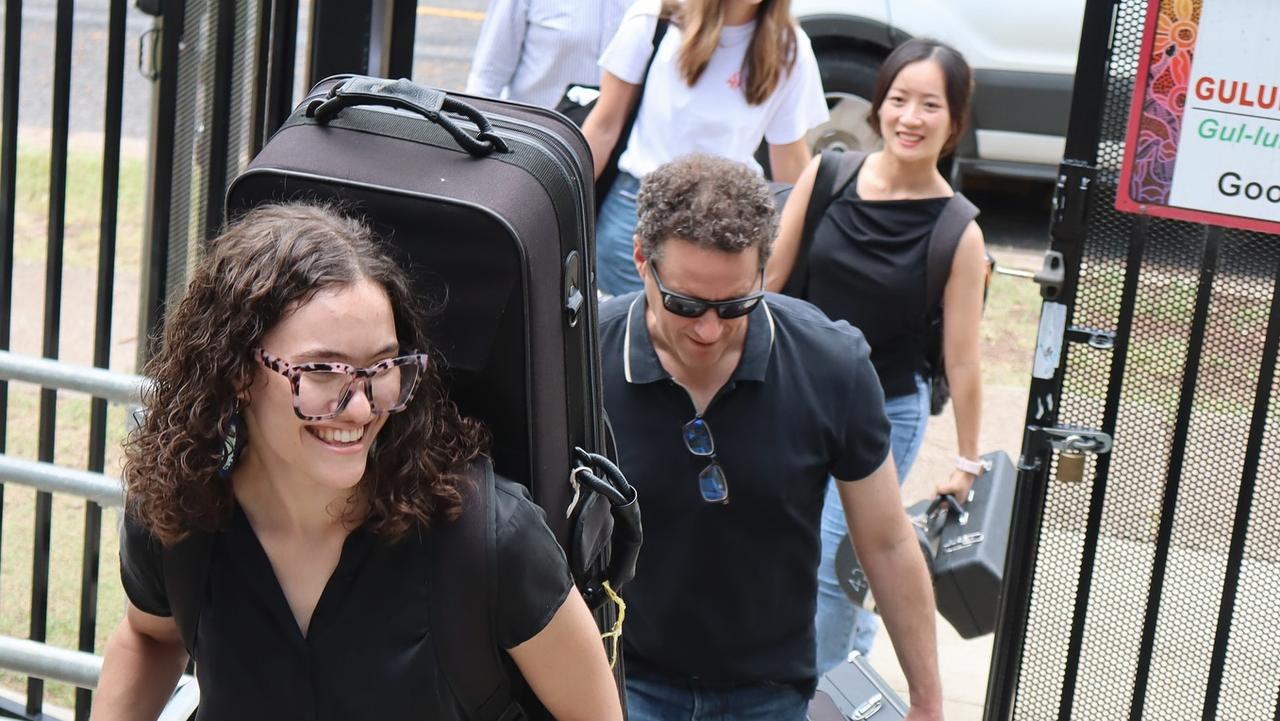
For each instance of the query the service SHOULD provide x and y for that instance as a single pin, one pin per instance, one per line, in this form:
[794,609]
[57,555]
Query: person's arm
[890,556]
[961,348]
[788,161]
[499,47]
[141,665]
[790,227]
[566,667]
[604,124]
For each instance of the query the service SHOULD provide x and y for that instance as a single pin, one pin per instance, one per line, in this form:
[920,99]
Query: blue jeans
[615,238]
[652,699]
[840,626]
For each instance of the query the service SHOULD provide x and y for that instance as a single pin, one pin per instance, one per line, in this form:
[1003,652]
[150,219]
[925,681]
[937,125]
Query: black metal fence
[112,222]
[45,420]
[1148,589]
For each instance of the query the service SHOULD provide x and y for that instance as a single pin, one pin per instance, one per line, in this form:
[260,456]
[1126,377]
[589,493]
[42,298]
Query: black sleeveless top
[867,266]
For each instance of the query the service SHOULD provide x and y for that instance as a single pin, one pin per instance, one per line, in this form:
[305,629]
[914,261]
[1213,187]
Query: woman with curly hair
[296,421]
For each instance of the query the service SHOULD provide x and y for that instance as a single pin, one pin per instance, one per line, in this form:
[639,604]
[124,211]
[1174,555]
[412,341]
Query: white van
[1023,53]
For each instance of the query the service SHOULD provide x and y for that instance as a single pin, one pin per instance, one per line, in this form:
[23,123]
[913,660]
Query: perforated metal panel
[213,123]
[1151,589]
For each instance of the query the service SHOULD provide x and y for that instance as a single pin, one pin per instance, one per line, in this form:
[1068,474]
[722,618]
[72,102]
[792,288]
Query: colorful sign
[1204,131]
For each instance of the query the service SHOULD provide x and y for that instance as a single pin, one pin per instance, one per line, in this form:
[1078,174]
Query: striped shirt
[530,50]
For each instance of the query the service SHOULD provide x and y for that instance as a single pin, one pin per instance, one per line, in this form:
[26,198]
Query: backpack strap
[463,563]
[186,577]
[659,31]
[836,170]
[943,241]
[610,173]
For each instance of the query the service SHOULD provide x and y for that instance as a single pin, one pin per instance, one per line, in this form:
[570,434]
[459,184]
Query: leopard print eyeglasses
[322,390]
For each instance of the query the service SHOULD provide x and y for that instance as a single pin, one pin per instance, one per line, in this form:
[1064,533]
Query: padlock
[1070,466]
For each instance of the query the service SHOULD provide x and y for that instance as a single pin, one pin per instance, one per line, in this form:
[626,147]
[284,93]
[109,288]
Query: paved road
[446,35]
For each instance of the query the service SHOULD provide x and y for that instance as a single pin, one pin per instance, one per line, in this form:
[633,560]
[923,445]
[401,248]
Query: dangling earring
[233,442]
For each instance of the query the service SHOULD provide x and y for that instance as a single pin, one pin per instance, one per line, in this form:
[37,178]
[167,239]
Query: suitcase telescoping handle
[405,95]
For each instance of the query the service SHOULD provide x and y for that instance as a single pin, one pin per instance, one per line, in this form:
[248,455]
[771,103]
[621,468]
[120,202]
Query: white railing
[40,660]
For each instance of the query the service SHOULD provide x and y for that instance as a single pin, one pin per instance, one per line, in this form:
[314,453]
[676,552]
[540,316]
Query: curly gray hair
[712,202]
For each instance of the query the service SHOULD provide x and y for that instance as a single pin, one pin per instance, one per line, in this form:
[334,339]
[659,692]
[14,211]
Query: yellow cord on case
[615,633]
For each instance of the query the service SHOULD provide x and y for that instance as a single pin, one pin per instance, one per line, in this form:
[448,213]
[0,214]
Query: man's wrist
[929,707]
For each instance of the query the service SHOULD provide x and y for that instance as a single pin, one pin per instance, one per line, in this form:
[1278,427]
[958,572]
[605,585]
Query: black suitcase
[853,691]
[506,235]
[489,203]
[969,547]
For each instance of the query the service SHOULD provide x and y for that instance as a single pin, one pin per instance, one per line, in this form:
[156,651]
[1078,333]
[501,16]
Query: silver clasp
[962,542]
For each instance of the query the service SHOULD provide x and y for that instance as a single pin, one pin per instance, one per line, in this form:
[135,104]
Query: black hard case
[970,550]
[506,237]
[853,691]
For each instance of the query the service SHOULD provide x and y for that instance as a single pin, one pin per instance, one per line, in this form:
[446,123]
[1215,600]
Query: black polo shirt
[726,594]
[368,653]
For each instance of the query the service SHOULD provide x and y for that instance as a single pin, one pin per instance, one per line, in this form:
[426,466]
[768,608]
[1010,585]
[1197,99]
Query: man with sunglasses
[731,409]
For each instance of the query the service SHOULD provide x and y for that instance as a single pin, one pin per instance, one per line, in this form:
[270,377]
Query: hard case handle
[949,500]
[403,94]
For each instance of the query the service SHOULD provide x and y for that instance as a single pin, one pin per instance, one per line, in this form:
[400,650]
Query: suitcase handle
[430,103]
[962,516]
[599,474]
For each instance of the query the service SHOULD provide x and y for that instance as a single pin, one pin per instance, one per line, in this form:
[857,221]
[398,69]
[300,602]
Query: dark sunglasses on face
[711,480]
[689,307]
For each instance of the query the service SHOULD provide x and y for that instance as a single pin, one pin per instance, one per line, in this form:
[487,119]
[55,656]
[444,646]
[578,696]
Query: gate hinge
[1071,197]
[1052,275]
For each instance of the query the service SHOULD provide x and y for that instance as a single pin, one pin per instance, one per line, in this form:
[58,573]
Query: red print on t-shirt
[735,80]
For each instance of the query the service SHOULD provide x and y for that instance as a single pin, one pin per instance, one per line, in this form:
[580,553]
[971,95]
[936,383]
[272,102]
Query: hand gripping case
[969,547]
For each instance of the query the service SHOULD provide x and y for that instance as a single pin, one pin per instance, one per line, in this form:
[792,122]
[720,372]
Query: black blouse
[867,266]
[369,652]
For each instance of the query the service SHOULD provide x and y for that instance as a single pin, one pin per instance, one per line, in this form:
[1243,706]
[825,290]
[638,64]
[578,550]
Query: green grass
[66,558]
[80,250]
[83,203]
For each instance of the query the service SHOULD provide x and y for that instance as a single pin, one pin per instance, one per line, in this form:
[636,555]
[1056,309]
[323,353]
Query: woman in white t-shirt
[727,74]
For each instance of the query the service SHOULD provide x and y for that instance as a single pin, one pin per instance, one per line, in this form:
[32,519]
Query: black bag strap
[836,170]
[943,241]
[659,32]
[611,168]
[186,577]
[463,565]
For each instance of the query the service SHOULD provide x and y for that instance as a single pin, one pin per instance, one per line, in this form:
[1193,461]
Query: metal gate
[1149,588]
[219,78]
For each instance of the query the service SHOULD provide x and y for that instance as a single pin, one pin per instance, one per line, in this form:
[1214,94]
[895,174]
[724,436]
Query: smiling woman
[298,434]
[872,263]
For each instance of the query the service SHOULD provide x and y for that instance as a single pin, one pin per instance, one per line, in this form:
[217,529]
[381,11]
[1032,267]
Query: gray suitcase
[969,548]
[853,691]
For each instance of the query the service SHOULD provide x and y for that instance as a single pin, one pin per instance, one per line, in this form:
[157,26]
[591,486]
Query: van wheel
[849,79]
